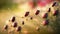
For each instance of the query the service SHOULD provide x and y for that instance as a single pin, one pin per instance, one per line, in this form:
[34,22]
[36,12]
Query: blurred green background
[5,4]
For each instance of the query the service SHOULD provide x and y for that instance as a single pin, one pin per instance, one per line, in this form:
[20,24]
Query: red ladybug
[56,12]
[49,9]
[31,18]
[14,24]
[13,19]
[18,28]
[37,12]
[6,27]
[22,22]
[26,14]
[45,22]
[37,28]
[54,4]
[45,15]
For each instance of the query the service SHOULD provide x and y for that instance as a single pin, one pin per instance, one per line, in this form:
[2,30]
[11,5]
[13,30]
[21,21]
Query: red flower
[41,3]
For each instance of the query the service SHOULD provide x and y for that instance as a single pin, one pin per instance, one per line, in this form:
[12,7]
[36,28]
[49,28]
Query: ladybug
[22,22]
[18,28]
[54,4]
[14,24]
[49,9]
[37,12]
[13,19]
[37,28]
[6,27]
[31,18]
[45,22]
[45,15]
[26,14]
[56,12]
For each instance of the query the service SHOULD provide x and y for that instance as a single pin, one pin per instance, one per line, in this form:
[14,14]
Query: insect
[49,9]
[31,18]
[37,12]
[13,19]
[54,4]
[18,28]
[22,22]
[6,27]
[14,24]
[45,15]
[45,22]
[26,14]
[37,28]
[56,12]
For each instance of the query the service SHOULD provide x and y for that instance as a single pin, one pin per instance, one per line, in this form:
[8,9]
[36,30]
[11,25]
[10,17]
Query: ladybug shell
[45,15]
[26,14]
[45,22]
[18,28]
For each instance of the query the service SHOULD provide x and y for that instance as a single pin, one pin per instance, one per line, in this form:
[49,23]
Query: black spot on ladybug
[54,4]
[26,14]
[49,9]
[56,12]
[15,24]
[37,12]
[6,27]
[22,22]
[13,19]
[45,15]
[19,28]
